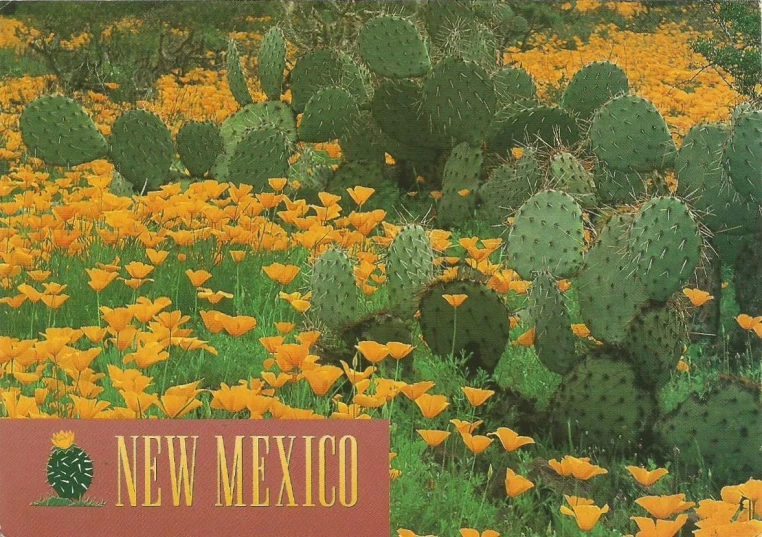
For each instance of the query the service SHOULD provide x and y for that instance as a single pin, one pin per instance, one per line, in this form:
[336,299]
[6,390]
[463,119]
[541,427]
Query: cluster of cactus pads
[587,201]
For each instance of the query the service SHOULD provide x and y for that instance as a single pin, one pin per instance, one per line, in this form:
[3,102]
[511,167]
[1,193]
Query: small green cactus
[70,469]
[409,268]
[335,296]
[237,76]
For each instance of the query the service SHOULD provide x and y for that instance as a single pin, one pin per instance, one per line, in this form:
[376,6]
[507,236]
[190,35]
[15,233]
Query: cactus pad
[656,341]
[569,175]
[70,472]
[57,130]
[610,293]
[482,328]
[547,235]
[199,144]
[743,155]
[507,189]
[328,115]
[261,154]
[409,268]
[142,149]
[512,84]
[618,187]
[459,99]
[554,343]
[600,403]
[665,245]
[720,431]
[629,134]
[363,139]
[272,63]
[545,125]
[592,86]
[321,68]
[462,172]
[237,76]
[393,47]
[335,297]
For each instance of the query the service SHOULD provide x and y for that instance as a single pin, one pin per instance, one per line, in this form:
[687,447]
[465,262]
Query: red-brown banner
[194,478]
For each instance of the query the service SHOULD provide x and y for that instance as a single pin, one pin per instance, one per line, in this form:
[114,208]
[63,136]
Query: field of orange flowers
[193,301]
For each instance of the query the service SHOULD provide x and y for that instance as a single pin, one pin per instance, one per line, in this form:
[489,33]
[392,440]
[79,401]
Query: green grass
[55,501]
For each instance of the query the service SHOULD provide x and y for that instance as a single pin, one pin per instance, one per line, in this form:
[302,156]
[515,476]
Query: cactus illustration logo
[70,473]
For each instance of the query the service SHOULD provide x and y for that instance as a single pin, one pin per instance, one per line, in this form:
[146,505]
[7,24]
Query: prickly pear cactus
[567,173]
[719,431]
[328,115]
[616,187]
[57,130]
[554,342]
[655,341]
[610,293]
[142,149]
[272,63]
[547,235]
[507,188]
[540,125]
[629,134]
[600,403]
[199,144]
[480,325]
[363,139]
[409,268]
[743,154]
[393,47]
[322,68]
[592,86]
[459,99]
[335,297]
[513,84]
[260,155]
[70,469]
[666,246]
[396,108]
[237,76]
[460,181]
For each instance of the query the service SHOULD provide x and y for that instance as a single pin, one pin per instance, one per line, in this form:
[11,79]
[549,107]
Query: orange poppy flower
[156,257]
[147,354]
[282,274]
[455,301]
[198,277]
[284,327]
[360,194]
[238,325]
[322,378]
[510,439]
[85,408]
[664,506]
[271,343]
[526,339]
[463,192]
[697,296]
[369,401]
[275,381]
[328,200]
[291,356]
[659,528]
[432,405]
[372,351]
[414,391]
[212,321]
[277,183]
[579,468]
[466,426]
[477,396]
[471,532]
[138,270]
[433,437]
[398,350]
[646,477]
[586,516]
[309,338]
[476,443]
[100,279]
[580,330]
[54,301]
[356,376]
[232,399]
[516,485]
[747,322]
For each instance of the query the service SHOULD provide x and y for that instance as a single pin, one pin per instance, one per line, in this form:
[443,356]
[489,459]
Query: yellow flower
[455,301]
[516,485]
[646,477]
[63,439]
[578,468]
[697,296]
[586,515]
[476,396]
